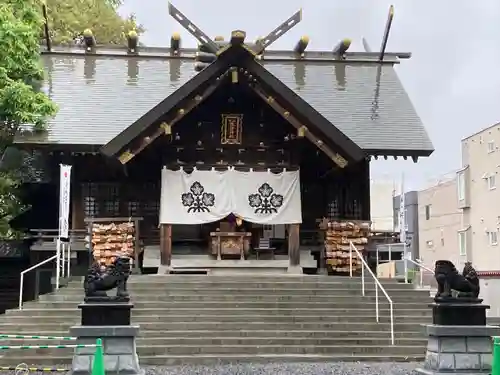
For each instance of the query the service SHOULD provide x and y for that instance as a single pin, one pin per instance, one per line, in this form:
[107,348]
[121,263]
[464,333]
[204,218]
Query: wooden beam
[166,244]
[273,36]
[335,156]
[165,128]
[77,209]
[387,30]
[192,28]
[294,244]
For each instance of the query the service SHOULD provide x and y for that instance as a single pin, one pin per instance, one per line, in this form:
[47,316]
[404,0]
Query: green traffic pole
[495,363]
[98,365]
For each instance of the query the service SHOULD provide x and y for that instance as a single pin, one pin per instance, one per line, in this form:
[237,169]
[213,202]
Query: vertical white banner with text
[64,199]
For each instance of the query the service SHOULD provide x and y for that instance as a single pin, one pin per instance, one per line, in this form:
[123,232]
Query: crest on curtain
[265,201]
[197,200]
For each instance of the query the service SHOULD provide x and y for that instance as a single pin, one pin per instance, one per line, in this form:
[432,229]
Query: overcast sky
[453,77]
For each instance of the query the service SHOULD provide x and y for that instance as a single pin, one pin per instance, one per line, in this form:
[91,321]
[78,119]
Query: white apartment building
[381,196]
[440,223]
[459,219]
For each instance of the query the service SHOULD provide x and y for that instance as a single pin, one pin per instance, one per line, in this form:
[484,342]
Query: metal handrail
[422,267]
[21,286]
[377,286]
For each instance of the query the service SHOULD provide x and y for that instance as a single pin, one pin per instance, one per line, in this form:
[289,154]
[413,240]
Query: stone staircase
[214,319]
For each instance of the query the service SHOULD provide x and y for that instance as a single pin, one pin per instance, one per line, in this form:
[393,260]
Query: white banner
[207,196]
[198,197]
[64,199]
[266,197]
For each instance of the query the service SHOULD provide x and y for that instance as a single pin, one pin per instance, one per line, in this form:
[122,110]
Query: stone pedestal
[459,313]
[294,270]
[120,354]
[111,323]
[459,350]
[459,342]
[106,314]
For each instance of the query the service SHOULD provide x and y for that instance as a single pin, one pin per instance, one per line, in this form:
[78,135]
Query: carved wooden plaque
[231,129]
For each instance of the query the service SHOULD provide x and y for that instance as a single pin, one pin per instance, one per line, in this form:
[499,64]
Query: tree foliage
[20,101]
[21,74]
[69,18]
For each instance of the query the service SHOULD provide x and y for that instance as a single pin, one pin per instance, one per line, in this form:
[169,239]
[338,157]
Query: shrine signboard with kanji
[231,129]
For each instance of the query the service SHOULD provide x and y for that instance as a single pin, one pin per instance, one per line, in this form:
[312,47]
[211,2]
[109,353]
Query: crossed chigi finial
[211,46]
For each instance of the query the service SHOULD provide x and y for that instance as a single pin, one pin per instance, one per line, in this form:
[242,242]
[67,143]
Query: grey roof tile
[99,97]
[346,95]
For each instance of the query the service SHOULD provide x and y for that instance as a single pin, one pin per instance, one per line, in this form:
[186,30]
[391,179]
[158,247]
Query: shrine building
[220,152]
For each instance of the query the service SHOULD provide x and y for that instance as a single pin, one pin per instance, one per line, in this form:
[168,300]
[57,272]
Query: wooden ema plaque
[111,238]
[338,235]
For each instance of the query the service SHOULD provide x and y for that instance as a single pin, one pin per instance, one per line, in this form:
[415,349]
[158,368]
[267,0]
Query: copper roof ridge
[119,51]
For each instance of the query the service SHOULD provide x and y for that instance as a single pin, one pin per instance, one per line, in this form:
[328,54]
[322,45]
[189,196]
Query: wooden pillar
[165,244]
[294,245]
[366,191]
[77,207]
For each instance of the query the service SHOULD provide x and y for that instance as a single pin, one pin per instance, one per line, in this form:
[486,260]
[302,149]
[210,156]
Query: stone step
[271,333]
[25,325]
[167,285]
[224,304]
[208,348]
[370,297]
[245,277]
[180,339]
[242,319]
[211,359]
[233,311]
[183,290]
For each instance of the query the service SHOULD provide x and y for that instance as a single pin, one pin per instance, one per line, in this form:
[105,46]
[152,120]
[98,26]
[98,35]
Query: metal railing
[21,286]
[377,286]
[423,269]
[63,263]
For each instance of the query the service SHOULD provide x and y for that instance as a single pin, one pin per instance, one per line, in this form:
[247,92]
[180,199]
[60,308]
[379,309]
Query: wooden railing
[45,239]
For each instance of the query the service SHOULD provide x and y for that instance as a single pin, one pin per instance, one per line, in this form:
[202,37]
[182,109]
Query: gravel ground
[292,369]
[337,368]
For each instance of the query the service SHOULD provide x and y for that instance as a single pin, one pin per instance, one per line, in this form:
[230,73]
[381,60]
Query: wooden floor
[204,261]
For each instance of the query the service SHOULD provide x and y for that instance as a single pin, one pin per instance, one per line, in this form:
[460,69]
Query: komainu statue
[448,279]
[99,280]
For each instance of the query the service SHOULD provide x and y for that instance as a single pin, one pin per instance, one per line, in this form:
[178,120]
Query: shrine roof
[99,95]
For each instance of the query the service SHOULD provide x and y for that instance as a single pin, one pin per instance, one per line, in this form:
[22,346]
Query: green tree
[21,102]
[69,18]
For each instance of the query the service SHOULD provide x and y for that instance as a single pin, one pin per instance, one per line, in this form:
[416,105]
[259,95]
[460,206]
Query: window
[427,211]
[491,146]
[491,182]
[493,238]
[462,242]
[461,185]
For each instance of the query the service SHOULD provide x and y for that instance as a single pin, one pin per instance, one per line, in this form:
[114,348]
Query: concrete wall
[381,193]
[439,220]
